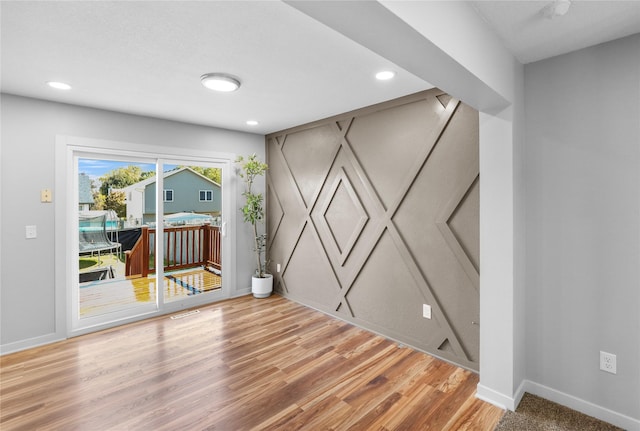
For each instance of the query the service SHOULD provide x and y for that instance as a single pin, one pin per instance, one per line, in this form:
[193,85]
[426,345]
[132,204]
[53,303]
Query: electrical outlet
[426,311]
[608,362]
[30,232]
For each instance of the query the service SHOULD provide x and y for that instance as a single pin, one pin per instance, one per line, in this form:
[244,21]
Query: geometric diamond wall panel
[374,213]
[309,274]
[461,224]
[381,297]
[387,139]
[308,160]
[343,215]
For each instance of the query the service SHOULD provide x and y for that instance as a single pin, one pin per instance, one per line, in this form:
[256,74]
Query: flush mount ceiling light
[59,85]
[385,75]
[556,8]
[252,123]
[220,82]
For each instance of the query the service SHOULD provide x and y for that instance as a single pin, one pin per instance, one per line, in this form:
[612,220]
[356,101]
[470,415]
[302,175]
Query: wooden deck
[104,296]
[241,364]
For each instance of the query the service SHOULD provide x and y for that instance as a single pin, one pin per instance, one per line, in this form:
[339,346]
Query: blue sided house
[184,191]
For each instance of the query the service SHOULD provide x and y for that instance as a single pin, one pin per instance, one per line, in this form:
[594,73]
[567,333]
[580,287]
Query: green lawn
[88,262]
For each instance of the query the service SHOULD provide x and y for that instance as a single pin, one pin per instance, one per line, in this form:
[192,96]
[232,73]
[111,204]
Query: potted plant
[253,213]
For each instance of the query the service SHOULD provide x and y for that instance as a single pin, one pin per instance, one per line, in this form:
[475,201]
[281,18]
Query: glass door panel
[114,279]
[192,208]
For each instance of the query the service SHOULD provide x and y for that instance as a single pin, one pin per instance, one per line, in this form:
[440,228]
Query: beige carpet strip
[537,414]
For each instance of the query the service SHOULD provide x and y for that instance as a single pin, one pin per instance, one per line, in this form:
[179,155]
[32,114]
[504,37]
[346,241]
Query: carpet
[537,414]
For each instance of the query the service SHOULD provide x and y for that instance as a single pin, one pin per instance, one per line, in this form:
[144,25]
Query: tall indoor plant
[253,213]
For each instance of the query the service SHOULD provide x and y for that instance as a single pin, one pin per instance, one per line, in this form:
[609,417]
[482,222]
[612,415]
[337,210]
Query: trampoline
[93,236]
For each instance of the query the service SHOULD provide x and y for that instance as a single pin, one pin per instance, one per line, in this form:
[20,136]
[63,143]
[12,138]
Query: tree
[116,201]
[214,174]
[122,177]
[106,199]
[98,201]
[147,174]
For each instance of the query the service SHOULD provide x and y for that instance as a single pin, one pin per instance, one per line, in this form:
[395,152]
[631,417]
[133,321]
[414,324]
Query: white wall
[29,129]
[456,30]
[583,234]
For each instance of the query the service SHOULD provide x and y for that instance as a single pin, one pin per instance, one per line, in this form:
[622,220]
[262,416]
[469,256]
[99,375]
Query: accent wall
[373,217]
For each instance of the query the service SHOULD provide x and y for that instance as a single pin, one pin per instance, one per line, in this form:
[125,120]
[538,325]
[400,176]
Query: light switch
[45,196]
[426,311]
[31,232]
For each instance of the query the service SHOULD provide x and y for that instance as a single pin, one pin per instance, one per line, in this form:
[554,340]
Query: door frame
[66,148]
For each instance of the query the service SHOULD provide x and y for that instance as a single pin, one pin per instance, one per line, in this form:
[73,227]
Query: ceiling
[147,57]
[530,36]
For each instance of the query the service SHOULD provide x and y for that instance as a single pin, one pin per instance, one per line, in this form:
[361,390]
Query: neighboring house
[85,197]
[184,190]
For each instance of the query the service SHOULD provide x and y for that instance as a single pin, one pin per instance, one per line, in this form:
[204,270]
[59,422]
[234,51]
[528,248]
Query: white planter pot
[262,287]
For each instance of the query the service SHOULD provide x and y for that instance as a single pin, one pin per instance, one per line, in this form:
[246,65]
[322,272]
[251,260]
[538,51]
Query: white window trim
[206,192]
[65,261]
[164,195]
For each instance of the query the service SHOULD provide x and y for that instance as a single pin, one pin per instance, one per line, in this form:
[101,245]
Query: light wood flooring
[240,364]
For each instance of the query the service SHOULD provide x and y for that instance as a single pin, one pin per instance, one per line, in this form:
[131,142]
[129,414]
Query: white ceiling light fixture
[385,75]
[59,85]
[252,123]
[556,8]
[220,82]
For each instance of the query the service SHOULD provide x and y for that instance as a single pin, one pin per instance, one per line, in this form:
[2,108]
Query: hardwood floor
[241,364]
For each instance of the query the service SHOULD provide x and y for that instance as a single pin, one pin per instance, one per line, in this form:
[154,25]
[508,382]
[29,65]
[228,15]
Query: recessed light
[220,82]
[59,85]
[252,123]
[385,75]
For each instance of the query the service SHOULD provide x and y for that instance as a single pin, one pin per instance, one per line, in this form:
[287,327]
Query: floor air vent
[181,315]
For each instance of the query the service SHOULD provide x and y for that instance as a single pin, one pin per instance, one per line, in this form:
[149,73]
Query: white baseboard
[496,398]
[29,343]
[586,407]
[520,392]
[241,292]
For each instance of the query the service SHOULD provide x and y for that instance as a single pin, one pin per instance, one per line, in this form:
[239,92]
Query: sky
[95,168]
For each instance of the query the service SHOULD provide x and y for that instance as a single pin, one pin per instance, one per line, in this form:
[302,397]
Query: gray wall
[583,223]
[29,129]
[376,212]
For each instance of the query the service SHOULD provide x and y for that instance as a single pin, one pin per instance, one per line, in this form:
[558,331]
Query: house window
[167,195]
[206,195]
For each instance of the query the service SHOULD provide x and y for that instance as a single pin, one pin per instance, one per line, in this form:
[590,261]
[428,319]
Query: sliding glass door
[147,234]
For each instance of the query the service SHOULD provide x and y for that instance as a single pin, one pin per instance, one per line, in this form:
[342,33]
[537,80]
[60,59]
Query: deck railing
[184,247]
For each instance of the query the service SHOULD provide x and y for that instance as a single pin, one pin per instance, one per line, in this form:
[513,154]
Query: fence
[184,247]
